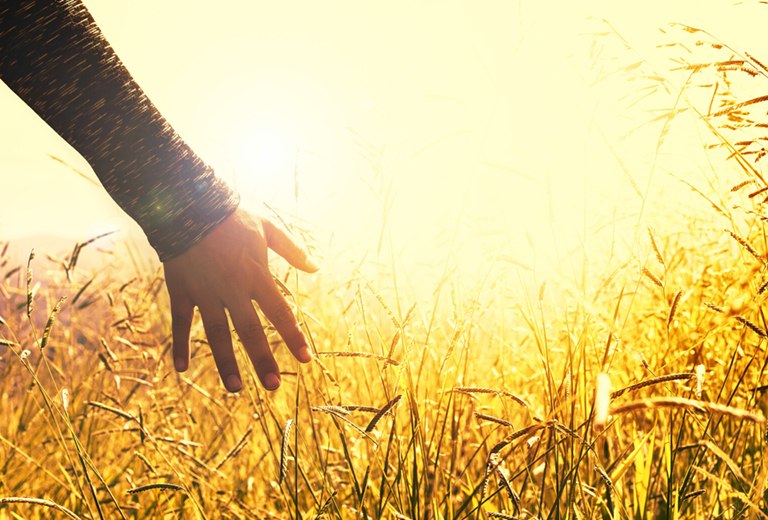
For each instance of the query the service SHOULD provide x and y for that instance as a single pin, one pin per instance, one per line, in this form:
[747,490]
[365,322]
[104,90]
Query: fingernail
[233,383]
[303,354]
[180,364]
[312,264]
[271,381]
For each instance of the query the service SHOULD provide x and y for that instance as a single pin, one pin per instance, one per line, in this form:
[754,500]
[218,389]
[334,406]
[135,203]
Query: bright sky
[464,121]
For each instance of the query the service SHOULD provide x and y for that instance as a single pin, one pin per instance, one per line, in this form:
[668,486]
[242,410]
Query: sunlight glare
[475,133]
[265,155]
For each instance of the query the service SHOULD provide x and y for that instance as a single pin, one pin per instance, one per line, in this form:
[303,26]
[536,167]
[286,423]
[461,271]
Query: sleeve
[56,59]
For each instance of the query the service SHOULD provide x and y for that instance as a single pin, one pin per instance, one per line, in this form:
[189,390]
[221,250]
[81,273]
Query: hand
[228,269]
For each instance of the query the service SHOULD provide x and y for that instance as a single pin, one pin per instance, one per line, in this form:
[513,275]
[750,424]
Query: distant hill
[93,256]
[18,250]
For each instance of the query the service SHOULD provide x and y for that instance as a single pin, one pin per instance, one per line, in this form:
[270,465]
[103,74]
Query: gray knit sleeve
[55,58]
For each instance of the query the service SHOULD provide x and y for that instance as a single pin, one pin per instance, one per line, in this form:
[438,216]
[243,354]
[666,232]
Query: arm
[54,57]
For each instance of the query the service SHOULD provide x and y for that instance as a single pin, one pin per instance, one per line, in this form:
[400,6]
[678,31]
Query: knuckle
[218,331]
[281,315]
[251,332]
[180,320]
[285,322]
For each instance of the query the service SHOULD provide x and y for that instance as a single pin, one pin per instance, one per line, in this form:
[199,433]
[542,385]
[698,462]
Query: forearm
[54,57]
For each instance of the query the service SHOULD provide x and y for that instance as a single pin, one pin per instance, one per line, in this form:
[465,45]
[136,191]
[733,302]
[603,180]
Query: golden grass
[480,404]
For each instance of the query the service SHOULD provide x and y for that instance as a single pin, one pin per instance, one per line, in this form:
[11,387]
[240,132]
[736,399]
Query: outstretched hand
[228,269]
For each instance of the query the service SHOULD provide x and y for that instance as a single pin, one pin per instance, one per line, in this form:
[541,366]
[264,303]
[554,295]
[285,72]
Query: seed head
[700,373]
[602,399]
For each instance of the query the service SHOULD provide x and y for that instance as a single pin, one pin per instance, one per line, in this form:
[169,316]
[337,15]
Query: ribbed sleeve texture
[54,57]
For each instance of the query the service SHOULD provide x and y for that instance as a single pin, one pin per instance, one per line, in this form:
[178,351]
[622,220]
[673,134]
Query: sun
[265,154]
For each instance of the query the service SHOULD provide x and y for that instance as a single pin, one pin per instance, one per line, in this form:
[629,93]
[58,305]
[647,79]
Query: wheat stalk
[491,418]
[655,246]
[752,326]
[284,451]
[652,277]
[386,408]
[360,355]
[157,485]
[673,308]
[653,381]
[483,390]
[40,502]
[690,404]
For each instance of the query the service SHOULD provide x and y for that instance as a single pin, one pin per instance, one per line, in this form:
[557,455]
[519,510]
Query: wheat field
[633,392]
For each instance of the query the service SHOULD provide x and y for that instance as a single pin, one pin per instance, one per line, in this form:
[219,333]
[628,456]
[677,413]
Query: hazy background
[468,126]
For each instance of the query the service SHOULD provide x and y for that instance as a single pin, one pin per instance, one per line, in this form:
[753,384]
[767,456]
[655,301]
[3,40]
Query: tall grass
[483,404]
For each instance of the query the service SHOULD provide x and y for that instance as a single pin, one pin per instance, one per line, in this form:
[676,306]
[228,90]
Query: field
[630,390]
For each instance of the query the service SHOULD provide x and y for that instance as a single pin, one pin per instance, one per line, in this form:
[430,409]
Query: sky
[469,126]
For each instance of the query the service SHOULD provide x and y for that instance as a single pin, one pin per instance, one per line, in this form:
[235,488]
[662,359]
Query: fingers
[181,321]
[282,244]
[252,336]
[228,268]
[279,313]
[220,339]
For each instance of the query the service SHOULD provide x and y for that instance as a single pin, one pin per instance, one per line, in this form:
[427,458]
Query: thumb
[284,245]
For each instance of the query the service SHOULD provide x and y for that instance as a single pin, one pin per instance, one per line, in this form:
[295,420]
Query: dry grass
[461,409]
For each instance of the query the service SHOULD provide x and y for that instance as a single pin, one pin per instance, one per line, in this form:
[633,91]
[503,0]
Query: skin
[56,59]
[227,271]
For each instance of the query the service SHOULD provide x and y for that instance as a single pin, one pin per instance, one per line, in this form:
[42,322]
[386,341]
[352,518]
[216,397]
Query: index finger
[275,307]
